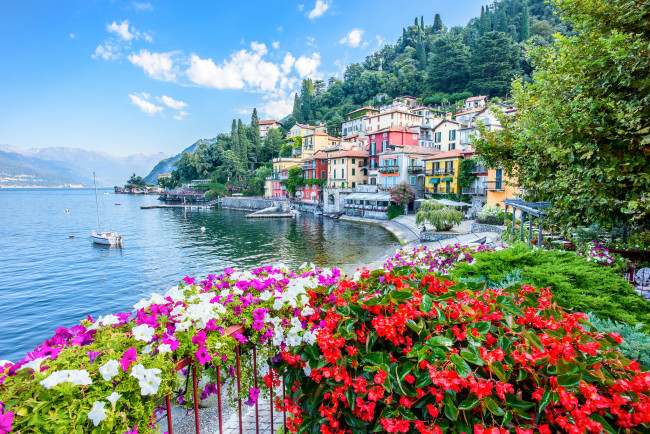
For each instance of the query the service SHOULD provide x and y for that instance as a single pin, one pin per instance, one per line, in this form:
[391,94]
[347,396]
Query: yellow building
[317,141]
[303,130]
[272,185]
[499,187]
[347,169]
[442,172]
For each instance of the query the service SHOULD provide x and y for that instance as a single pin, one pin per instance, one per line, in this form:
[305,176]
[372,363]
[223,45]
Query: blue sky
[145,76]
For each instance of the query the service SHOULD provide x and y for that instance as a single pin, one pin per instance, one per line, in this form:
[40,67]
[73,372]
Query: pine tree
[525,25]
[488,20]
[297,109]
[422,22]
[495,60]
[437,24]
[481,21]
[255,140]
[502,25]
[243,142]
[234,138]
[449,64]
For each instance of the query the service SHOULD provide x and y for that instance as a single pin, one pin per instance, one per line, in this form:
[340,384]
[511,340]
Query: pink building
[381,139]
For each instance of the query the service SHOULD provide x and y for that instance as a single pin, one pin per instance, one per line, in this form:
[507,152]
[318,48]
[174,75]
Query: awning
[451,202]
[434,180]
[447,179]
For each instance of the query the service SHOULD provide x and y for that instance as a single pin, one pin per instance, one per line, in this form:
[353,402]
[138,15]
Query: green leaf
[471,402]
[482,326]
[439,341]
[426,304]
[515,402]
[462,368]
[509,305]
[607,427]
[472,358]
[493,407]
[451,412]
[375,359]
[401,295]
[497,368]
[570,380]
[546,399]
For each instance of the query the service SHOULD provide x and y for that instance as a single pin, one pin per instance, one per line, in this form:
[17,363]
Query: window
[415,136]
[334,174]
[373,148]
[412,180]
[452,134]
[342,173]
[385,135]
[353,163]
[313,174]
[342,161]
[438,137]
[354,184]
[322,174]
[352,172]
[452,146]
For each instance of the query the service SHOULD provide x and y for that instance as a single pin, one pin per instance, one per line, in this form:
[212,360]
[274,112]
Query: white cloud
[121,29]
[288,62]
[320,8]
[243,68]
[146,106]
[171,102]
[380,41]
[259,48]
[277,107]
[353,39]
[142,6]
[244,111]
[157,65]
[276,45]
[310,41]
[307,65]
[280,29]
[107,51]
[72,35]
[180,115]
[301,7]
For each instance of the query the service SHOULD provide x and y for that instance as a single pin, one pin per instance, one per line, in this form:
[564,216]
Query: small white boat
[107,238]
[99,237]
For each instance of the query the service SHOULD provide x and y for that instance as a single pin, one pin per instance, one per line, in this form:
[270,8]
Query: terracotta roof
[333,138]
[268,122]
[310,127]
[473,110]
[476,98]
[320,155]
[361,154]
[454,153]
[362,108]
[408,149]
[442,122]
[394,129]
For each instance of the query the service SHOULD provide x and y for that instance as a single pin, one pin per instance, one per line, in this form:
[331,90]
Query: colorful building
[442,172]
[347,169]
[314,168]
[317,141]
[380,140]
[393,116]
[303,130]
[445,135]
[265,126]
[499,187]
[404,164]
[272,186]
[356,122]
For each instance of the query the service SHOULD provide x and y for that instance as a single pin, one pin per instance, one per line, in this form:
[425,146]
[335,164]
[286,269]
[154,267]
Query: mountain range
[69,167]
[167,165]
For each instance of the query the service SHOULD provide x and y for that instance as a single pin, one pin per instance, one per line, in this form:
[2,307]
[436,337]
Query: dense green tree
[257,181]
[272,145]
[543,29]
[437,24]
[525,24]
[254,137]
[297,109]
[334,125]
[234,138]
[421,54]
[502,22]
[319,87]
[581,138]
[495,60]
[136,180]
[307,99]
[243,142]
[449,64]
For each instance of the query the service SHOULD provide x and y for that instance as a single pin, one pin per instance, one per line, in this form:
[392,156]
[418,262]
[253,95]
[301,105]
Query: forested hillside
[434,63]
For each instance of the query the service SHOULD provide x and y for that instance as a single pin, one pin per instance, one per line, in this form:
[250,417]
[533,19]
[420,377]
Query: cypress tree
[502,25]
[481,22]
[234,138]
[255,140]
[525,25]
[297,109]
[488,20]
[307,99]
[422,22]
[243,142]
[421,54]
[437,24]
[416,23]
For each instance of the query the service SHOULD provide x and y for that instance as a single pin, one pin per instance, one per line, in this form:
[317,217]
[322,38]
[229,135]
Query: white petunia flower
[34,365]
[109,320]
[80,377]
[138,371]
[143,333]
[175,293]
[109,370]
[164,348]
[53,379]
[112,398]
[97,414]
[142,304]
[158,299]
[149,384]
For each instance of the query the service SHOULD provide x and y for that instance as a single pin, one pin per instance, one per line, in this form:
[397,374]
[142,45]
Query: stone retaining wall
[479,227]
[246,203]
[435,236]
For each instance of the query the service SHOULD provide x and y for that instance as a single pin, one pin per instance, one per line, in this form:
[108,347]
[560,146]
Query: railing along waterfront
[187,361]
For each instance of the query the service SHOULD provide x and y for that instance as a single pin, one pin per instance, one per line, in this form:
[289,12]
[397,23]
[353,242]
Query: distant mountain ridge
[68,167]
[167,165]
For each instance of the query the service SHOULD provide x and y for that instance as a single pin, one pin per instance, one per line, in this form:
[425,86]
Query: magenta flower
[6,422]
[200,339]
[93,355]
[241,338]
[189,280]
[202,356]
[133,430]
[128,357]
[173,343]
[211,325]
[253,395]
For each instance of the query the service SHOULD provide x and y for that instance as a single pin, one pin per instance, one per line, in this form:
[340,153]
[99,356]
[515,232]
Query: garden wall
[479,227]
[246,203]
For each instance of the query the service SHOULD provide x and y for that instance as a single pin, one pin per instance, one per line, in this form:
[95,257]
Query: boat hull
[106,238]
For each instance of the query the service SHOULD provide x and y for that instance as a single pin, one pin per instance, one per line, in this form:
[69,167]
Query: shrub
[491,215]
[636,343]
[408,352]
[584,286]
[442,217]
[394,211]
[401,194]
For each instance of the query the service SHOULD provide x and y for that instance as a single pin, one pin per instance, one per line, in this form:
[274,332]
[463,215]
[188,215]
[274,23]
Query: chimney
[448,116]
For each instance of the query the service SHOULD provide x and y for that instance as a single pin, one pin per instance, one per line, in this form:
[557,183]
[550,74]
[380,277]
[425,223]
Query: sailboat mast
[99,225]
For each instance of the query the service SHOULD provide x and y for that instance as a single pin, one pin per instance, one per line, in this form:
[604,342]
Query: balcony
[495,185]
[479,169]
[465,140]
[388,169]
[308,166]
[295,152]
[434,172]
[430,190]
[415,169]
[475,191]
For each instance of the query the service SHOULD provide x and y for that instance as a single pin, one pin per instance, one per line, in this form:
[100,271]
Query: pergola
[532,209]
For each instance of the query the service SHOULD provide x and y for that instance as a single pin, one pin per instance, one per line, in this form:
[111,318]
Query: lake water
[48,279]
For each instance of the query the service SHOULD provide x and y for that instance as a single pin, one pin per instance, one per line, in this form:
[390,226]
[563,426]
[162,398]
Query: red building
[381,139]
[314,167]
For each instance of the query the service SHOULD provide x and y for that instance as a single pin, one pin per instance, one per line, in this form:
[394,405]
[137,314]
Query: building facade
[314,172]
[272,185]
[265,126]
[356,122]
[404,164]
[347,169]
[442,172]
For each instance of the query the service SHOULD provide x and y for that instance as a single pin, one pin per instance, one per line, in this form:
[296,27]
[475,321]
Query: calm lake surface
[48,279]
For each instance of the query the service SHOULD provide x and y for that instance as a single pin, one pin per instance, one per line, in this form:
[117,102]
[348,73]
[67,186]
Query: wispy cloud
[156,65]
[121,29]
[276,45]
[141,100]
[125,34]
[140,7]
[320,8]
[353,38]
[180,115]
[171,102]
